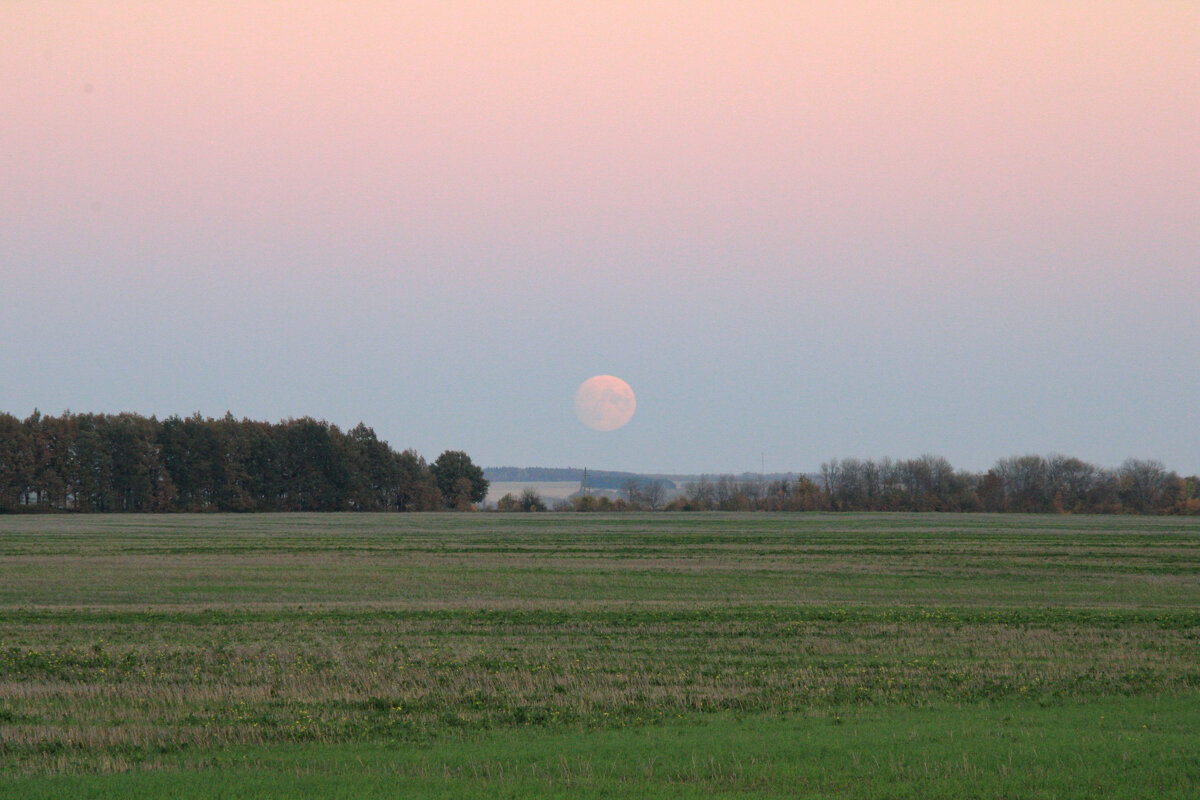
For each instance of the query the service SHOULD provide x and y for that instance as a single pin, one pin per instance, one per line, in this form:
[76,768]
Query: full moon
[604,403]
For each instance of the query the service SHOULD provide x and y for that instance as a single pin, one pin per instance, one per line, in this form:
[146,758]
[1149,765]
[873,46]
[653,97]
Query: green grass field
[668,655]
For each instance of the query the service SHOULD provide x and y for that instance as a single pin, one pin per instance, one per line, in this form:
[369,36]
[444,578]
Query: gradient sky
[799,230]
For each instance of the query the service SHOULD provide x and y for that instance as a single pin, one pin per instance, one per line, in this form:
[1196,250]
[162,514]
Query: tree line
[130,463]
[1028,484]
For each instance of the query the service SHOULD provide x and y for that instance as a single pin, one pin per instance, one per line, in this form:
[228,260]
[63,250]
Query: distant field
[549,490]
[489,655]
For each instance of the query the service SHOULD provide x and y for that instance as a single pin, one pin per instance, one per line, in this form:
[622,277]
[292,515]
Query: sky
[799,230]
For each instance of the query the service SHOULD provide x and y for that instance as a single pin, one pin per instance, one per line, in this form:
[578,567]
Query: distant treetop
[126,462]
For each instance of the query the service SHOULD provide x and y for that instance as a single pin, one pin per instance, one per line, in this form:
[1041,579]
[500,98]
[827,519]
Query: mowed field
[573,655]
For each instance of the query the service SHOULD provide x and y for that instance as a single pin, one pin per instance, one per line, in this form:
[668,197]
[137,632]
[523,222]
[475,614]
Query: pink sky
[942,155]
[650,113]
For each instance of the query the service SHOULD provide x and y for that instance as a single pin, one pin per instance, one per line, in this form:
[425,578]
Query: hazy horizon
[799,231]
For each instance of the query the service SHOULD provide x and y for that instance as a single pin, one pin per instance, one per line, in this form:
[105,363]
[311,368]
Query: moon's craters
[604,402]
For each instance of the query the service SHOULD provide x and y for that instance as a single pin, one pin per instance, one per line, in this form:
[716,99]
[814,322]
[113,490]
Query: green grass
[622,656]
[1104,748]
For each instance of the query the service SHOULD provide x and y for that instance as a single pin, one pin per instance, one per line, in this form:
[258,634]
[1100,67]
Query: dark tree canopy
[459,480]
[125,462]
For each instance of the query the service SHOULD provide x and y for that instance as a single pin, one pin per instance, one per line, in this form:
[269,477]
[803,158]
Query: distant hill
[596,479]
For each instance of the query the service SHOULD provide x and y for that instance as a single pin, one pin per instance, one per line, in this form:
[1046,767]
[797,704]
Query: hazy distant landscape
[551,491]
[1022,484]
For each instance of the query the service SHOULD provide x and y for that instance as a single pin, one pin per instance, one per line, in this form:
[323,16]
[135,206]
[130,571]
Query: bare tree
[1025,483]
[1142,483]
[633,491]
[1070,481]
[702,494]
[653,495]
